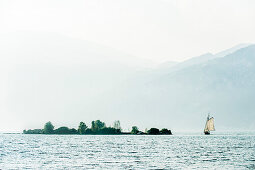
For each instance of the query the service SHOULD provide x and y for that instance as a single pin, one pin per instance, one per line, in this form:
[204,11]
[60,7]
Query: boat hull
[207,133]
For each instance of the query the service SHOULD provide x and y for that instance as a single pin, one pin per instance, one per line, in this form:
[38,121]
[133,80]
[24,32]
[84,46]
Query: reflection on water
[123,152]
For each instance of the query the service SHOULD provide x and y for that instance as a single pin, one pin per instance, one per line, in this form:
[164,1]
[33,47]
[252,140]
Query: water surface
[127,152]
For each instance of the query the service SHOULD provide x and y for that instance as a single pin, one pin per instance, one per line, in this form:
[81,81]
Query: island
[97,128]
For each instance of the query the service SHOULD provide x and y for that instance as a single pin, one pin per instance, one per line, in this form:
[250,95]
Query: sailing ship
[209,125]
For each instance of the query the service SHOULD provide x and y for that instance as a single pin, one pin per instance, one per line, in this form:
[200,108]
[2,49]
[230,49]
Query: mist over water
[50,77]
[224,151]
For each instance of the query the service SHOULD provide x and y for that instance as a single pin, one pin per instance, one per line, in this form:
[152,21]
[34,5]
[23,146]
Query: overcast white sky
[158,30]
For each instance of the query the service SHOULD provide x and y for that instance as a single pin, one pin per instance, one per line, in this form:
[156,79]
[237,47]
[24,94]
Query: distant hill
[172,66]
[223,86]
[67,80]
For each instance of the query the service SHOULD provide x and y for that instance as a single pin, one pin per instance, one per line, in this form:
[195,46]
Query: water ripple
[126,152]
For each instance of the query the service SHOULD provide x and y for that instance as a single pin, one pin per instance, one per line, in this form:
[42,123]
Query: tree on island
[82,128]
[65,130]
[134,130]
[48,128]
[116,125]
[153,131]
[165,132]
[97,125]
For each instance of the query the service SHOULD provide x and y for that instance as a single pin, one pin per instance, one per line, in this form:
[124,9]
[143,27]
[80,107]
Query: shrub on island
[165,132]
[33,131]
[109,130]
[153,131]
[65,130]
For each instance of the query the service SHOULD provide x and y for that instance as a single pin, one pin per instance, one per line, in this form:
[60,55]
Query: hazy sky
[158,30]
[47,47]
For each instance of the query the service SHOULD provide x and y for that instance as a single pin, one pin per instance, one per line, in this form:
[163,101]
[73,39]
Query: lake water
[127,152]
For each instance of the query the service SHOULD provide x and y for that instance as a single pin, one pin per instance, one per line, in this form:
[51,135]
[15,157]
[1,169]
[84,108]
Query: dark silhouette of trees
[33,131]
[73,131]
[62,130]
[153,131]
[97,125]
[109,130]
[65,130]
[82,128]
[48,128]
[88,131]
[165,132]
[134,130]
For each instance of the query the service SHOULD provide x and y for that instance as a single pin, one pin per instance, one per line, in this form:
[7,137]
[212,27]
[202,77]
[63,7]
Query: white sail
[206,127]
[209,126]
